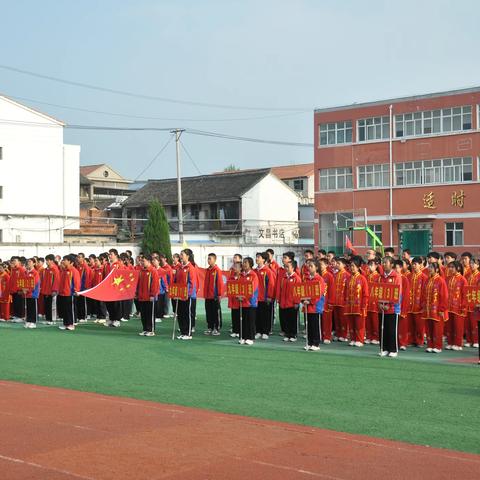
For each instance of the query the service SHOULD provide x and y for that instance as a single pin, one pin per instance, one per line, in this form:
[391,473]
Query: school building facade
[408,166]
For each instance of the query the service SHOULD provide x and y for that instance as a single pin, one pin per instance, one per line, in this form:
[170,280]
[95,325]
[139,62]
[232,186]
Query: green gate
[419,242]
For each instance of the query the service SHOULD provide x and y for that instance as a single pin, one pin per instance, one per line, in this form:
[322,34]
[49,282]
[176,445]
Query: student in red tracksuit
[40,268]
[403,331]
[288,309]
[49,289]
[18,305]
[126,304]
[99,308]
[114,308]
[329,300]
[249,304]
[305,272]
[341,278]
[85,282]
[455,326]
[169,275]
[213,290]
[314,308]
[271,261]
[31,292]
[418,281]
[371,320]
[147,289]
[356,302]
[187,275]
[435,312]
[5,297]
[68,288]
[234,303]
[266,295]
[473,314]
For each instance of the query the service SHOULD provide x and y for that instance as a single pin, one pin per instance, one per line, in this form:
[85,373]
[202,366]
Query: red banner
[119,284]
[306,290]
[26,283]
[385,292]
[472,296]
[239,288]
[178,291]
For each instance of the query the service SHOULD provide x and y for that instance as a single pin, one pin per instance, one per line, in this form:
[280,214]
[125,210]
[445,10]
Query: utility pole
[177,133]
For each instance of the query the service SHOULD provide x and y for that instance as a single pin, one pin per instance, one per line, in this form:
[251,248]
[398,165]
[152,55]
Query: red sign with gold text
[304,290]
[239,288]
[26,283]
[385,292]
[178,291]
[472,296]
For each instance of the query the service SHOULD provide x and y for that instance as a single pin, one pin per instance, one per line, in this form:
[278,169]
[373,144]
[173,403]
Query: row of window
[427,122]
[424,172]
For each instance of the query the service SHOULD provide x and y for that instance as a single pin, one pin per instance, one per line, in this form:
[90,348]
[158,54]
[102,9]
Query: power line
[144,117]
[153,159]
[147,97]
[190,157]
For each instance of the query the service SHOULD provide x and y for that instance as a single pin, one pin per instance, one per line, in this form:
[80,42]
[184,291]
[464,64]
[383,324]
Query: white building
[39,177]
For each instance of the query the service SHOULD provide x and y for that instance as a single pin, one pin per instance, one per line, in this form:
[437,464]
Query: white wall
[39,176]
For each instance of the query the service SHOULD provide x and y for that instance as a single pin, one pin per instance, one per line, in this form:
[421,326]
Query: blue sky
[273,54]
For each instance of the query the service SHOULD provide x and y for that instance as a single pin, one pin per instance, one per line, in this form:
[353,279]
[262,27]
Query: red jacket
[284,288]
[405,305]
[169,273]
[213,288]
[97,275]
[51,280]
[456,294]
[274,266]
[317,306]
[418,282]
[32,276]
[266,283]
[15,275]
[435,299]
[85,276]
[233,302]
[372,301]
[305,272]
[340,285]
[187,275]
[148,284]
[473,281]
[356,295]
[69,282]
[396,279]
[111,266]
[329,290]
[5,288]
[251,276]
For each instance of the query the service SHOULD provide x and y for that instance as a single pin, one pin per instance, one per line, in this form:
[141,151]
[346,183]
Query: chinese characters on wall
[458,200]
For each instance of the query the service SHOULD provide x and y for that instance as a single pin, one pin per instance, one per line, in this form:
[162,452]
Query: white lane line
[43,467]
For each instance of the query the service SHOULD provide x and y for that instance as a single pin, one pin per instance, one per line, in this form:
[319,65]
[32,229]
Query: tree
[231,168]
[156,235]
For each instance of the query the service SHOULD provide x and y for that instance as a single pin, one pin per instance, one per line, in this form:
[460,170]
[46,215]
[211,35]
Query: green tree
[231,168]
[156,234]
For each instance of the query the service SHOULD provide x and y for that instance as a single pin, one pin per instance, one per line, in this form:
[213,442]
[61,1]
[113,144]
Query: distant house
[105,181]
[32,150]
[251,206]
[301,179]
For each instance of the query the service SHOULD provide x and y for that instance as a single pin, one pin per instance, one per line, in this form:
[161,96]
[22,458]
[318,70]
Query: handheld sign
[304,290]
[239,288]
[385,292]
[178,291]
[472,296]
[26,283]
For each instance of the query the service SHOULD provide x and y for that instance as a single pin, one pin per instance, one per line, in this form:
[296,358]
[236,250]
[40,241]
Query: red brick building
[411,163]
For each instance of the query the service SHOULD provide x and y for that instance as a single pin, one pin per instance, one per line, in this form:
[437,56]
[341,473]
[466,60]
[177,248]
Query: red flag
[349,244]
[119,284]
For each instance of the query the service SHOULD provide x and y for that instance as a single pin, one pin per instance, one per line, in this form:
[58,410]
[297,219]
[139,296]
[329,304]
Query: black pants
[91,306]
[81,304]
[32,310]
[235,320]
[248,322]
[50,304]
[126,309]
[290,321]
[272,315]
[185,320]
[282,317]
[263,320]
[166,304]
[100,309]
[18,305]
[313,330]
[147,316]
[193,310]
[159,306]
[114,310]
[388,335]
[66,306]
[212,306]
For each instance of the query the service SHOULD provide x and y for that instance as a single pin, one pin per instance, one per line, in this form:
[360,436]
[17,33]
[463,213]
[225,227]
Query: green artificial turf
[418,397]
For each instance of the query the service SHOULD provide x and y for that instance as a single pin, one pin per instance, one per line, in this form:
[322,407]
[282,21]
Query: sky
[266,64]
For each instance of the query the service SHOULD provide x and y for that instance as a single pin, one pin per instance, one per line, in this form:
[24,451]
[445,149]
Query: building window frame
[454,234]
[335,133]
[377,171]
[336,178]
[374,129]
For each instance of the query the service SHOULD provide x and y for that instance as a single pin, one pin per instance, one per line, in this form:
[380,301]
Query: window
[298,185]
[336,178]
[427,172]
[371,176]
[375,128]
[335,133]
[433,121]
[377,230]
[454,234]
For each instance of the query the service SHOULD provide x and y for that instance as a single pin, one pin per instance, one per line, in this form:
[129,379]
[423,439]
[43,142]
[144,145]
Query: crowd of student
[431,308]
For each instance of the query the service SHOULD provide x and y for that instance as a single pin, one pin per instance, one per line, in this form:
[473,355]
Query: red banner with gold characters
[472,296]
[385,292]
[178,291]
[26,283]
[304,290]
[239,288]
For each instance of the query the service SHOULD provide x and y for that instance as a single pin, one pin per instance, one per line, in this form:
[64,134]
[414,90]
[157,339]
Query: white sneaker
[115,323]
[258,335]
[264,336]
[436,350]
[26,325]
[234,335]
[456,348]
[241,341]
[62,327]
[187,337]
[448,347]
[158,320]
[384,353]
[429,350]
[351,344]
[292,339]
[285,339]
[282,334]
[403,348]
[248,342]
[467,344]
[215,333]
[367,342]
[124,319]
[149,334]
[393,354]
[475,345]
[341,339]
[327,342]
[70,328]
[142,333]
[375,342]
[207,332]
[2,320]
[83,320]
[358,344]
[314,348]
[180,337]
[193,330]
[306,347]
[167,316]
[32,325]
